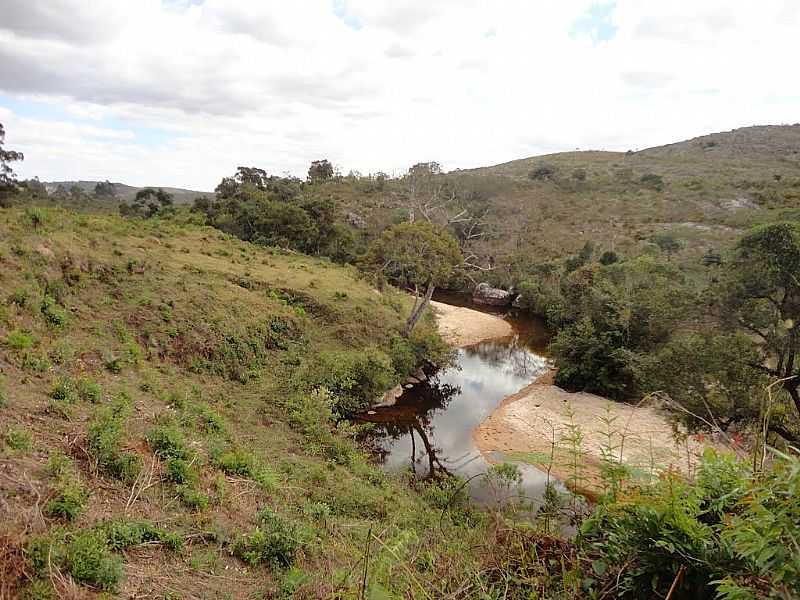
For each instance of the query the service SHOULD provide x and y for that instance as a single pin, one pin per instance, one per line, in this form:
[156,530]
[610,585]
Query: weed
[20,340]
[89,391]
[167,442]
[105,443]
[275,541]
[192,497]
[19,440]
[58,463]
[64,391]
[69,501]
[54,315]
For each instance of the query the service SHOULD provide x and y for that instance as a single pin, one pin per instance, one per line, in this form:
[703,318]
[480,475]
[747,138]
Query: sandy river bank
[530,426]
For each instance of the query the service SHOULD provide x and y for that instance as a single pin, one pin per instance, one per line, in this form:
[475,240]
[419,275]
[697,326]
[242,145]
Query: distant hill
[126,193]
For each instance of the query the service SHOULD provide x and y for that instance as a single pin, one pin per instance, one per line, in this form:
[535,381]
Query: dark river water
[430,427]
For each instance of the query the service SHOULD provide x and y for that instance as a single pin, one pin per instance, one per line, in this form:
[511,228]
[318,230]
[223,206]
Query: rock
[420,375]
[486,294]
[517,303]
[390,397]
[408,386]
[411,380]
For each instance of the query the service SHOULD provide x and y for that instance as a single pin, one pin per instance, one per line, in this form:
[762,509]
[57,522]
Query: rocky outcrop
[486,294]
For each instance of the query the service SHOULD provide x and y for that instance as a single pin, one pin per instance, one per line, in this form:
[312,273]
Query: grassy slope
[165,304]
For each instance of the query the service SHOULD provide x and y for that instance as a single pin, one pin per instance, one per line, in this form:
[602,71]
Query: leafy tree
[667,243]
[762,296]
[105,190]
[711,376]
[420,255]
[320,170]
[148,203]
[7,177]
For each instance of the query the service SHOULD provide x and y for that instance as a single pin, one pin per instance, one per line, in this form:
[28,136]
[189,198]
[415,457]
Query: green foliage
[85,555]
[416,254]
[19,340]
[105,438]
[89,391]
[64,391]
[167,441]
[729,533]
[355,378]
[53,314]
[275,541]
[68,502]
[19,440]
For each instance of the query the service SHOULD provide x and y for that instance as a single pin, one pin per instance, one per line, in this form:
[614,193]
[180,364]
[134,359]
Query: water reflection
[430,428]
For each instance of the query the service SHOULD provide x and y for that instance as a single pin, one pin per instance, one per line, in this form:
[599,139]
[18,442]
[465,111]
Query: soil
[462,327]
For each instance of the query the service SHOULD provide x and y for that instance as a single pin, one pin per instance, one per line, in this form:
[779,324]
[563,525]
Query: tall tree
[149,202]
[762,296]
[420,256]
[320,170]
[8,181]
[105,189]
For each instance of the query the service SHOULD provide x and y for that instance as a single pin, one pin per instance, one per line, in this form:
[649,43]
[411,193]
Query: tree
[8,180]
[105,189]
[762,296]
[417,255]
[320,170]
[149,202]
[667,243]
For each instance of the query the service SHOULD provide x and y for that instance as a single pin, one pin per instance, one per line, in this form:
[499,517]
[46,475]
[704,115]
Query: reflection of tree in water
[412,416]
[509,357]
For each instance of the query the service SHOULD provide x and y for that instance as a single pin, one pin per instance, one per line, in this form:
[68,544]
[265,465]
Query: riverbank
[462,327]
[531,425]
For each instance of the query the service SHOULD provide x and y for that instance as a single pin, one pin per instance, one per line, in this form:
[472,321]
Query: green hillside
[160,425]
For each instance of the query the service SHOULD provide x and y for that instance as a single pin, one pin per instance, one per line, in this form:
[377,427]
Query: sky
[181,92]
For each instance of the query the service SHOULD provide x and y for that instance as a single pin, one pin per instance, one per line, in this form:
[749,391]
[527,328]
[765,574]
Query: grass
[189,397]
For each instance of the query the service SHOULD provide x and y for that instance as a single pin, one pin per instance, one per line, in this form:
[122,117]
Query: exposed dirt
[461,326]
[532,425]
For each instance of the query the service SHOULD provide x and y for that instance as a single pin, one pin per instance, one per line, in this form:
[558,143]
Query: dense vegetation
[176,379]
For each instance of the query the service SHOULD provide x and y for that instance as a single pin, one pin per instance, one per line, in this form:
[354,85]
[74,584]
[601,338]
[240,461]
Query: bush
[275,541]
[167,442]
[355,378]
[64,391]
[105,443]
[19,340]
[729,534]
[68,503]
[54,315]
[18,439]
[90,391]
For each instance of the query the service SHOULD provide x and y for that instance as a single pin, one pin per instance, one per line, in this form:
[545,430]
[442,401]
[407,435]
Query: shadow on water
[429,429]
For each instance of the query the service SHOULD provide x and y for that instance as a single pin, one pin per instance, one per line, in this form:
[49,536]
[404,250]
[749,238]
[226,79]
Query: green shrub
[18,439]
[3,398]
[121,534]
[355,378]
[64,391]
[58,463]
[54,315]
[167,441]
[105,443]
[192,497]
[85,555]
[19,340]
[69,501]
[210,420]
[90,391]
[180,471]
[275,541]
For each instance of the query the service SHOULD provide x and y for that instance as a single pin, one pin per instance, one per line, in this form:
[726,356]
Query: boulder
[389,398]
[486,294]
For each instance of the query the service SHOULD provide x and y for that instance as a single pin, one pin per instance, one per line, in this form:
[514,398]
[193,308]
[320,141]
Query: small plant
[54,315]
[89,391]
[275,541]
[167,442]
[19,440]
[58,463]
[105,443]
[19,340]
[69,501]
[192,497]
[64,391]
[113,364]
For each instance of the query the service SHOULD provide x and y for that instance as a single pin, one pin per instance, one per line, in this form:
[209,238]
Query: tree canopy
[7,177]
[419,255]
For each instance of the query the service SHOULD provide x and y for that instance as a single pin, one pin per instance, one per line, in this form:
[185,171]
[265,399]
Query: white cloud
[374,85]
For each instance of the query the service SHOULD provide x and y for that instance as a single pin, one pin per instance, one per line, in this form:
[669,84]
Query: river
[429,429]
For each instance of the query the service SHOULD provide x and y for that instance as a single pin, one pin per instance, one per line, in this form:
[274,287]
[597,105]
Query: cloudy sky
[180,92]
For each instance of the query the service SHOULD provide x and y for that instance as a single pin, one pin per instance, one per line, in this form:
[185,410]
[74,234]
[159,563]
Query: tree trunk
[419,309]
[791,387]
